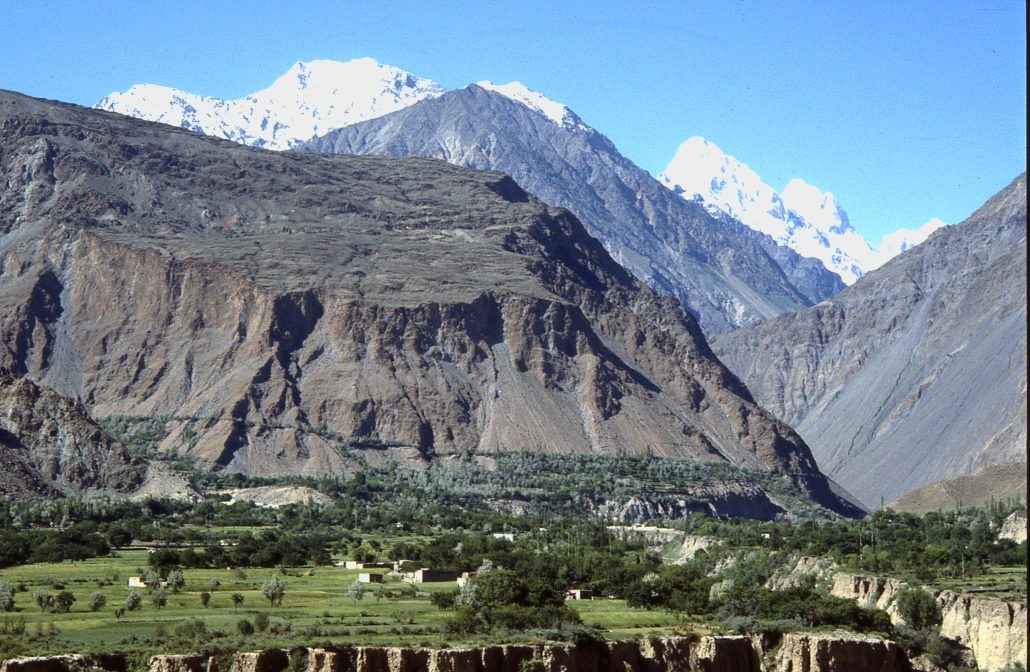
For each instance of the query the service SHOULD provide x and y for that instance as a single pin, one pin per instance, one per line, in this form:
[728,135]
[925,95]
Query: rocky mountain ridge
[278,300]
[915,373]
[724,272]
[50,447]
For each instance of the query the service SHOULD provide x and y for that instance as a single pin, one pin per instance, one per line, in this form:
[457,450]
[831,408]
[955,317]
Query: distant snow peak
[902,240]
[557,112]
[815,205]
[311,98]
[803,217]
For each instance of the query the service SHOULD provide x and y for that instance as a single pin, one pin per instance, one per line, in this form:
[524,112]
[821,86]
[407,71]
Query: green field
[316,609]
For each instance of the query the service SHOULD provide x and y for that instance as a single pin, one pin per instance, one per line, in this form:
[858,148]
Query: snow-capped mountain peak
[803,217]
[899,241]
[557,112]
[311,98]
[815,205]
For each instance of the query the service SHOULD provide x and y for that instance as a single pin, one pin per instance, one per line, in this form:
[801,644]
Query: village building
[354,564]
[425,575]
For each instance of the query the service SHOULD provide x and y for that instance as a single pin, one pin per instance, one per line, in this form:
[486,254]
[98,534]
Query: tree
[245,627]
[356,591]
[118,535]
[237,601]
[274,589]
[6,596]
[152,580]
[213,585]
[44,601]
[176,580]
[63,602]
[919,609]
[97,601]
[205,599]
[159,598]
[682,589]
[133,601]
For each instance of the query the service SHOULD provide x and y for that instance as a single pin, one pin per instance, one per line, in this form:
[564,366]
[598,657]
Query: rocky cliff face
[915,373]
[49,446]
[724,272]
[1014,528]
[812,653]
[281,300]
[796,653]
[994,630]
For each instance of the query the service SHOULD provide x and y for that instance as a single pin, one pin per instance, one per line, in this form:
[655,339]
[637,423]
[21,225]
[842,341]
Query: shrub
[919,609]
[97,601]
[274,589]
[245,627]
[133,601]
[193,628]
[176,580]
[444,599]
[261,622]
[205,599]
[63,602]
[6,596]
[356,591]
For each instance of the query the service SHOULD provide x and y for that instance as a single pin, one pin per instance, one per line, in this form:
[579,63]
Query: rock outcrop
[725,273]
[797,652]
[837,653]
[1014,528]
[287,302]
[274,496]
[995,630]
[50,447]
[740,499]
[808,569]
[869,591]
[73,662]
[915,373]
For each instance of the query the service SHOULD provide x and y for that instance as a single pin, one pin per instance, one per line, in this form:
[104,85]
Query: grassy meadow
[316,609]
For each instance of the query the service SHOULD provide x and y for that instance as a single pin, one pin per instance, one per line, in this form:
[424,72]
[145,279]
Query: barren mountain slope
[725,273]
[917,372]
[283,301]
[50,447]
[996,482]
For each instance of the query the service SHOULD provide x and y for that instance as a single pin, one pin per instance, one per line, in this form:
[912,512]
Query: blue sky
[906,110]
